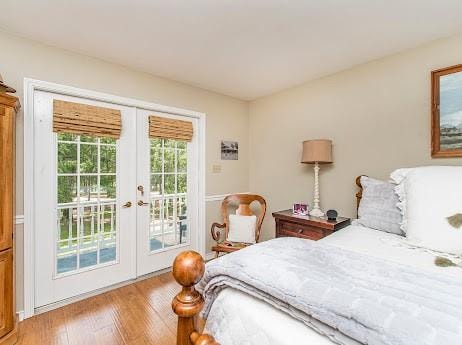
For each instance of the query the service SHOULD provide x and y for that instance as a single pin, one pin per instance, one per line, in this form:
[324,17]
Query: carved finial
[188,269]
[203,339]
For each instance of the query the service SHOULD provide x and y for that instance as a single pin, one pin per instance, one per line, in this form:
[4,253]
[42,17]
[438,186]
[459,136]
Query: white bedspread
[242,319]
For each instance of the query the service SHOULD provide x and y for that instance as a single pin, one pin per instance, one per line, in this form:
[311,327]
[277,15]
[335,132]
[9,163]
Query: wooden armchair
[242,202]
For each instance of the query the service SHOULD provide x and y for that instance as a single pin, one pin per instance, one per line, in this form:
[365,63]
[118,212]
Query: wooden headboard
[359,195]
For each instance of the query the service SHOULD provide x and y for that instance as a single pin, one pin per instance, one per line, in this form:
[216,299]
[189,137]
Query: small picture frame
[300,209]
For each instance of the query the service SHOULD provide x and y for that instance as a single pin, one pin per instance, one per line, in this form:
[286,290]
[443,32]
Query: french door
[107,210]
[167,196]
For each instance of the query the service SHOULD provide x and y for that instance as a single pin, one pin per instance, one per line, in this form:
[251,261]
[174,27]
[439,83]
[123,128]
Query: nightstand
[312,228]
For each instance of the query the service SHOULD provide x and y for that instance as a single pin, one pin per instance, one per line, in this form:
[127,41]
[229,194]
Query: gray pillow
[377,209]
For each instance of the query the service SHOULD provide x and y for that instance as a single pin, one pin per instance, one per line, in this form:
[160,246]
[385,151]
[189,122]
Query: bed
[236,317]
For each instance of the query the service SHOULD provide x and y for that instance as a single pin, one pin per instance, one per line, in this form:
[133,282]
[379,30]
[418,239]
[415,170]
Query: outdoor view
[86,188]
[451,111]
[169,224]
[86,196]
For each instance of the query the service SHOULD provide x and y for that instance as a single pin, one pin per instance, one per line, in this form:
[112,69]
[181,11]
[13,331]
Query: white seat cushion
[428,197]
[242,228]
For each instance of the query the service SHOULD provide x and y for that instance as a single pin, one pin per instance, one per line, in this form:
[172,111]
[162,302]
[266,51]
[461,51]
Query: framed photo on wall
[447,112]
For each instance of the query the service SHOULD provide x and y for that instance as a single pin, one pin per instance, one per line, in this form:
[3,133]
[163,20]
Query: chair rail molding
[220,197]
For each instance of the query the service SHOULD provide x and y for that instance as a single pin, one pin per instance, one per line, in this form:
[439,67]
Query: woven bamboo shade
[160,127]
[82,119]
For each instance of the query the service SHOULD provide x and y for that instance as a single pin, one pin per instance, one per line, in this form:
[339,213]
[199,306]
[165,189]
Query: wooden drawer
[300,230]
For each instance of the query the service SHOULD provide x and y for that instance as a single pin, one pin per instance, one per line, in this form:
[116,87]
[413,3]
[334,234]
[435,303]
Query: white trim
[19,219]
[20,315]
[220,197]
[32,85]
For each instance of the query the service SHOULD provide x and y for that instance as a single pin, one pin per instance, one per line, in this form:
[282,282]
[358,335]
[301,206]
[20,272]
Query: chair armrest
[217,233]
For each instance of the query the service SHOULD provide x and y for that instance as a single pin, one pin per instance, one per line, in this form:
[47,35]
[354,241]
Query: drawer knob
[300,231]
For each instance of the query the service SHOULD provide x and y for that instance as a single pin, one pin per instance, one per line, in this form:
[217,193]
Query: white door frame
[32,85]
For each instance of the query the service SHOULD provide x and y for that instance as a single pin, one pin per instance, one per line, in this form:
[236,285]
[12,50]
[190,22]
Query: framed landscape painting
[447,112]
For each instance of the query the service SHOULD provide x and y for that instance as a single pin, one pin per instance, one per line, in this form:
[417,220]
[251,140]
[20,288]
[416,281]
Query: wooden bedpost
[188,269]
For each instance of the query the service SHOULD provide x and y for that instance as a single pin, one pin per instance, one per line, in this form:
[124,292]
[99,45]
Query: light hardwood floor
[139,313]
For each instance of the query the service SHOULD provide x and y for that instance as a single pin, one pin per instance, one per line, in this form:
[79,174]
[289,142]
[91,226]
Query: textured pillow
[431,203]
[242,228]
[377,209]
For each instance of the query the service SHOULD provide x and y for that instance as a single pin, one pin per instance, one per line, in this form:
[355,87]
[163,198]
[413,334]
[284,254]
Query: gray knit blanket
[371,300]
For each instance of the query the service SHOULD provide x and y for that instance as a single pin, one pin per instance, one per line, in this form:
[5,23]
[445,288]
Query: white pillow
[428,196]
[242,228]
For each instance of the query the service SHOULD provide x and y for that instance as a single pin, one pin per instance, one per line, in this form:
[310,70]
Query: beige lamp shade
[317,151]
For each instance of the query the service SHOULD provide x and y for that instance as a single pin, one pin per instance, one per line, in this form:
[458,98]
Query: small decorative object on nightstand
[312,228]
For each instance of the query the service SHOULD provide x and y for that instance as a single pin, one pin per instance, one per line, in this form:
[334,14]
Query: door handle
[142,203]
[141,189]
[127,204]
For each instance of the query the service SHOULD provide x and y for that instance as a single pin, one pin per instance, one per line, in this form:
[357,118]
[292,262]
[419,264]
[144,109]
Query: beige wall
[227,118]
[377,114]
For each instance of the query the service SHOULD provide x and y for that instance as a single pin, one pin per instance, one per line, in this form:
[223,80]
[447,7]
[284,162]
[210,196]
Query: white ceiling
[242,48]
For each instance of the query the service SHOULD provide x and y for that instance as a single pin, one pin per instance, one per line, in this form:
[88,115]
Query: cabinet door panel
[6,178]
[6,292]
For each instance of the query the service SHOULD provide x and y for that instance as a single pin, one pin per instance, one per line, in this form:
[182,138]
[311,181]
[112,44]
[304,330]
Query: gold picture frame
[446,112]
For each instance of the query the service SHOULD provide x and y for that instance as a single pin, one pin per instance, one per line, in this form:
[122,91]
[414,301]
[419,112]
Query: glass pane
[182,183]
[88,188]
[168,209]
[156,242]
[181,208]
[156,143]
[67,158]
[67,189]
[111,141]
[156,210]
[108,187]
[181,145]
[65,225]
[169,161]
[88,159]
[88,253]
[169,143]
[107,252]
[169,181]
[89,222]
[182,161]
[171,234]
[67,137]
[156,160]
[67,260]
[108,159]
[108,218]
[156,185]
[183,231]
[88,139]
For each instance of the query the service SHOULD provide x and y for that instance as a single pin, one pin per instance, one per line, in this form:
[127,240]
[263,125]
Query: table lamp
[318,151]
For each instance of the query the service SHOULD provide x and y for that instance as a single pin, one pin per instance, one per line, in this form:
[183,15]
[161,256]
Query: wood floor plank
[136,314]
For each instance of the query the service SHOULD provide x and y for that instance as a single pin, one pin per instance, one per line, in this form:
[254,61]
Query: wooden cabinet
[9,105]
[7,318]
[312,228]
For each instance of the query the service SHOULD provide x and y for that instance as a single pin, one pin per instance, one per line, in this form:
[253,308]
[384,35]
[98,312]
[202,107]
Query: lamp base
[316,212]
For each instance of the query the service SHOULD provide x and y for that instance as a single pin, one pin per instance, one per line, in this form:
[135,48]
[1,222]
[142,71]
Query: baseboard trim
[20,314]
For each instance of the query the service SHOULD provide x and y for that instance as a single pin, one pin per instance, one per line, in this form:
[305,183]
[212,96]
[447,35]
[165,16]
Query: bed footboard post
[188,269]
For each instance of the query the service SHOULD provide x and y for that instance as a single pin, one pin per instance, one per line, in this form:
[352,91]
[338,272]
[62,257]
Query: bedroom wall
[377,114]
[227,118]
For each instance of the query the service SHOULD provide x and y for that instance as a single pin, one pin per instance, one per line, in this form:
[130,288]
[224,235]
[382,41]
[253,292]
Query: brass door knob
[142,203]
[127,204]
